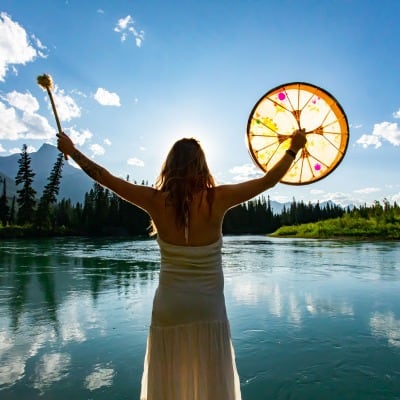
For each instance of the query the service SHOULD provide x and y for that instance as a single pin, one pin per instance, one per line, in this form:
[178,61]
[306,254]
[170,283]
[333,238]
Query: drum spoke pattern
[292,106]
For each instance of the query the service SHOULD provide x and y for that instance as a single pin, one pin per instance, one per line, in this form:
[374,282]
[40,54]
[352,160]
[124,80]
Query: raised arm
[142,196]
[227,196]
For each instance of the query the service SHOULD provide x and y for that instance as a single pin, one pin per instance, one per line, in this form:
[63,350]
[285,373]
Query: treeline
[104,213]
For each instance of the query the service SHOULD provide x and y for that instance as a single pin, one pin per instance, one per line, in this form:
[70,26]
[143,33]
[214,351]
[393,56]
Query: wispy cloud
[244,172]
[79,137]
[396,198]
[136,162]
[367,190]
[106,98]
[15,150]
[125,26]
[97,149]
[384,131]
[67,109]
[15,47]
[316,191]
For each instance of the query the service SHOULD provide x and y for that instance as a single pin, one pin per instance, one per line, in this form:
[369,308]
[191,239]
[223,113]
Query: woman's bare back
[204,223]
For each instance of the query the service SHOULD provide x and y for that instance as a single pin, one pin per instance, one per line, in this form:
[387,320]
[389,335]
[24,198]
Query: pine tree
[12,212]
[50,192]
[26,195]
[4,208]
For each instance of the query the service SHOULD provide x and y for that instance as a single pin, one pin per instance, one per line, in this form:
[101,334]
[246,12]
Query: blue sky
[131,77]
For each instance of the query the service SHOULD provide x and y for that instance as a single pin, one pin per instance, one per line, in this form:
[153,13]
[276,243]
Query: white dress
[189,353]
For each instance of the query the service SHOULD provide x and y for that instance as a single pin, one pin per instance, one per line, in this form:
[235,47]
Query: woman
[189,353]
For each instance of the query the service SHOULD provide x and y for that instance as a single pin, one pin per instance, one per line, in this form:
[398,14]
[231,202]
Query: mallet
[46,83]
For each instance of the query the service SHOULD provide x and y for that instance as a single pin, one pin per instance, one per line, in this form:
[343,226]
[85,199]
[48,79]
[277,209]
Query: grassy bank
[344,227]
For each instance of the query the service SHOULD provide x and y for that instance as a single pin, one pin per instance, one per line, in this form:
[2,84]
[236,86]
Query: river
[310,319]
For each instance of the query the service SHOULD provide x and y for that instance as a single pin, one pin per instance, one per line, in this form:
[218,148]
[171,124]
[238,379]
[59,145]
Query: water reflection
[50,369]
[74,314]
[54,294]
[101,376]
[386,326]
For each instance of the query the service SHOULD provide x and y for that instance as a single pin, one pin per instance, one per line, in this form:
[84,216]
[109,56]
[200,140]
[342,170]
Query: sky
[131,77]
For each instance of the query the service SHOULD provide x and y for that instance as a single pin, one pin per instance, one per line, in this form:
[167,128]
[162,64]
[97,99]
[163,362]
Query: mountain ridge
[74,182]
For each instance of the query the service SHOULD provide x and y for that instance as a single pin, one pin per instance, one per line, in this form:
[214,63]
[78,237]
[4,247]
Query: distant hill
[74,183]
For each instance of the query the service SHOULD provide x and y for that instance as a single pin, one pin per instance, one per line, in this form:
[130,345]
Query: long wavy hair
[184,173]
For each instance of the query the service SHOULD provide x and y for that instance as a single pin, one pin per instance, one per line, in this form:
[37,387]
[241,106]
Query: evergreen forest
[103,213]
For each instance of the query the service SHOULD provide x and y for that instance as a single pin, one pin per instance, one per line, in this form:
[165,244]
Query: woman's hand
[65,144]
[299,140]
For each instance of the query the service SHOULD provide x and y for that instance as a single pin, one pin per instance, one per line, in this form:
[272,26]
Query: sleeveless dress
[189,353]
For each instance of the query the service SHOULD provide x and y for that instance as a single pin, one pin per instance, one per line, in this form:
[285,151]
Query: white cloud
[245,171]
[11,126]
[65,105]
[125,26]
[18,125]
[37,127]
[136,162]
[395,198]
[369,140]
[367,190]
[23,101]
[388,131]
[106,98]
[79,137]
[397,114]
[2,149]
[316,191]
[14,150]
[15,48]
[30,149]
[107,142]
[342,199]
[123,23]
[97,149]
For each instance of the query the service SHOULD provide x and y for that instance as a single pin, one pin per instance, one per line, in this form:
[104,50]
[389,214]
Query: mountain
[74,182]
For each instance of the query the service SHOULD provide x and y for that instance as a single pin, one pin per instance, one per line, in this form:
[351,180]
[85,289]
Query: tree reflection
[18,291]
[38,276]
[45,275]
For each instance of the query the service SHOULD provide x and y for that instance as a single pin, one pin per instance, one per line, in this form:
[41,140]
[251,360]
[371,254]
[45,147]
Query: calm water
[310,319]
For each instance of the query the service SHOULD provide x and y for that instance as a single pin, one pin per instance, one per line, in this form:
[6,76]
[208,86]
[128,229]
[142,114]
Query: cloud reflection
[100,377]
[385,325]
[294,306]
[11,370]
[16,349]
[50,369]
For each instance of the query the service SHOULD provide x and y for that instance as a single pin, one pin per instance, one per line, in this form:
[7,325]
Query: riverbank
[344,227]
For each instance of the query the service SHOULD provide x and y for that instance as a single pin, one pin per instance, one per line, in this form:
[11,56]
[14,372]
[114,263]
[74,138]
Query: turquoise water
[310,319]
